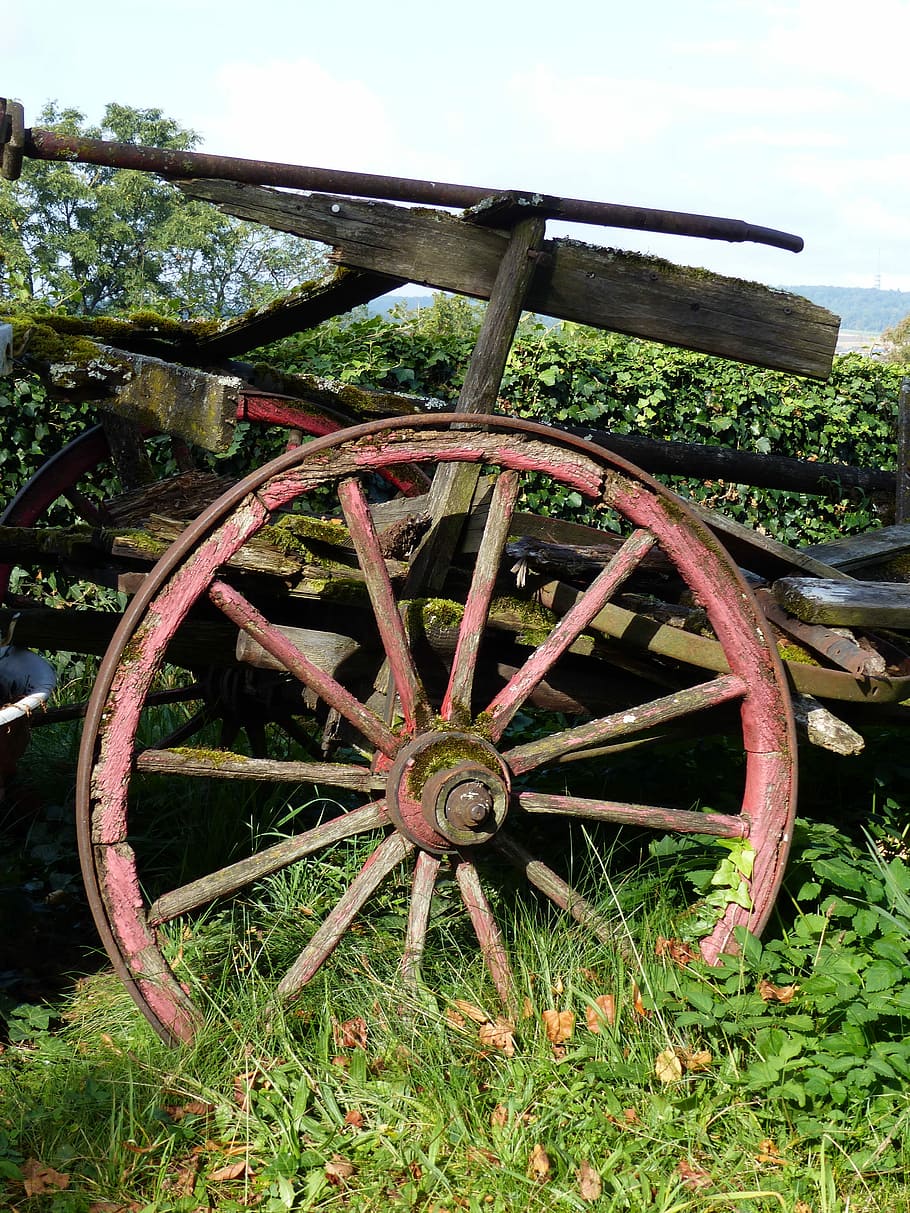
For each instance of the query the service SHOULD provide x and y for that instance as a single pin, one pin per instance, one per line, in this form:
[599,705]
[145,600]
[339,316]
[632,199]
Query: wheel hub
[448,790]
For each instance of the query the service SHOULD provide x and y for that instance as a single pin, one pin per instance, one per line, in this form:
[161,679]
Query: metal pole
[184,165]
[902,506]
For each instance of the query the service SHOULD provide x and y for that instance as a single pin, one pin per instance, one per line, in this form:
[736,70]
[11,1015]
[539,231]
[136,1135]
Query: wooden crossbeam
[868,604]
[624,292]
[871,547]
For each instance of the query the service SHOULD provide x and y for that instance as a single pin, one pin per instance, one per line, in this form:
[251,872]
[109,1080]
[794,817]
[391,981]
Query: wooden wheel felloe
[435,766]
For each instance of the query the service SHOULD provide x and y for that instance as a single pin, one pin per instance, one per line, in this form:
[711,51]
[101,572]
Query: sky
[791,114]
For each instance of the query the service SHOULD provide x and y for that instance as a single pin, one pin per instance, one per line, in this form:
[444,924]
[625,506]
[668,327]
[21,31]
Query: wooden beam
[304,308]
[868,604]
[871,547]
[625,292]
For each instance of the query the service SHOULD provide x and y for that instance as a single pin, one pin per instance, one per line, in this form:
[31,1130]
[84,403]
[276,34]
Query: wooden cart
[374,615]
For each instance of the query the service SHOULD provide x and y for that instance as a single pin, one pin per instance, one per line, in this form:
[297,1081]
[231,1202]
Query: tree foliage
[84,238]
[896,341]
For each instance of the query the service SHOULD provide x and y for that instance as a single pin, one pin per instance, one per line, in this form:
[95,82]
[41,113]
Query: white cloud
[296,111]
[614,114]
[854,46]
[786,137]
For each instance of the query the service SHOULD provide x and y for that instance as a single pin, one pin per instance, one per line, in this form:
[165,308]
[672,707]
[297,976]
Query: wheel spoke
[242,612]
[414,705]
[558,890]
[487,931]
[387,856]
[621,724]
[457,701]
[86,509]
[680,821]
[426,870]
[292,729]
[569,628]
[204,764]
[237,875]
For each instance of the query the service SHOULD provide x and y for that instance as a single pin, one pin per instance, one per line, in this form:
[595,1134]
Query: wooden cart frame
[389,619]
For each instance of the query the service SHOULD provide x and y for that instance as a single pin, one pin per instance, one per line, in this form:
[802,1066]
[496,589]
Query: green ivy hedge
[573,375]
[578,376]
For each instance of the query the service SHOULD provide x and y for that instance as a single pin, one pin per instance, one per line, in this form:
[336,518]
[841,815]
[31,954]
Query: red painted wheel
[62,478]
[58,477]
[441,773]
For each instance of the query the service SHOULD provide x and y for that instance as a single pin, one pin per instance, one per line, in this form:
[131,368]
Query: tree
[95,240]
[896,341]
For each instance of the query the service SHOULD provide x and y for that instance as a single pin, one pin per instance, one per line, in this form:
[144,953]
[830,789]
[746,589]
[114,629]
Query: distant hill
[384,304]
[861,308]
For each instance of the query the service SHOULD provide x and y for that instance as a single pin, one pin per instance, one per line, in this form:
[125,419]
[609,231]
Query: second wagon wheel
[439,776]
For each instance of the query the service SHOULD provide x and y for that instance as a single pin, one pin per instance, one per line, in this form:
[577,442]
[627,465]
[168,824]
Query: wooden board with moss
[868,604]
[624,292]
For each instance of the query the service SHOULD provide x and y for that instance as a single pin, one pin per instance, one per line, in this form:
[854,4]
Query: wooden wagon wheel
[70,477]
[439,777]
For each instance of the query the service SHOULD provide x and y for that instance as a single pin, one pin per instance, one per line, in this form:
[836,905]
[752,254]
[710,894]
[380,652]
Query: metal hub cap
[448,789]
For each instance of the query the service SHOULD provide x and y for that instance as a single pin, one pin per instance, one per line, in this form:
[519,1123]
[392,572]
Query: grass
[713,1089]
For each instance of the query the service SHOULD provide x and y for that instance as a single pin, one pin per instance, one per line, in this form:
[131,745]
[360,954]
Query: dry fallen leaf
[698,1060]
[637,1005]
[769,1153]
[539,1164]
[244,1085]
[603,1011]
[799,1207]
[470,1010]
[558,987]
[479,1154]
[500,1034]
[499,1117]
[692,1175]
[182,1179]
[352,1034]
[560,1025]
[195,1107]
[233,1170]
[772,993]
[589,1185]
[630,1116]
[38,1178]
[668,1067]
[339,1170]
[354,1118]
[680,953]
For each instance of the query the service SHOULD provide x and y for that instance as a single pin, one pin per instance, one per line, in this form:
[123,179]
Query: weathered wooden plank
[304,308]
[760,553]
[850,603]
[701,461]
[454,485]
[625,292]
[871,547]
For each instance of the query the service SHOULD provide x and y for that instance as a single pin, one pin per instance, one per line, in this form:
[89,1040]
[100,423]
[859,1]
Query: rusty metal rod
[42,144]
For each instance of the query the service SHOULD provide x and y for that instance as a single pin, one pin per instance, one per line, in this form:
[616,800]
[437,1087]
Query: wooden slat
[302,309]
[625,292]
[849,603]
[871,547]
[760,553]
